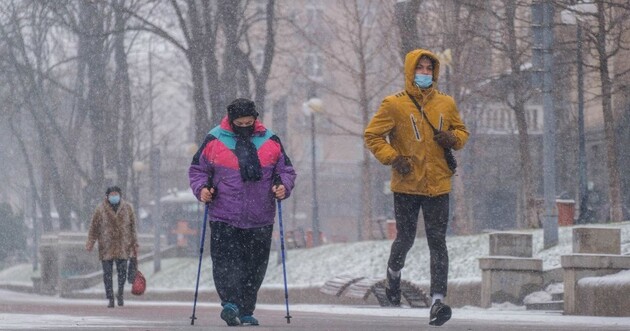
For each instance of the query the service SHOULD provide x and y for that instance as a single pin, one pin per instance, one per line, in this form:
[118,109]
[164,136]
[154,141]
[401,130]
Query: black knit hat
[241,107]
[113,189]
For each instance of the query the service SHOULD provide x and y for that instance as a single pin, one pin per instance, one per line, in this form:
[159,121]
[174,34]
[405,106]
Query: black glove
[445,139]
[402,165]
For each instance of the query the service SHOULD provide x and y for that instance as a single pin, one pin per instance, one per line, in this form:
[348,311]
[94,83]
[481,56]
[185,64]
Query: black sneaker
[120,300]
[392,289]
[440,313]
[111,303]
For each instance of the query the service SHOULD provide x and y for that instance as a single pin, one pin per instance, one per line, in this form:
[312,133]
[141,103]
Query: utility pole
[154,167]
[33,201]
[311,107]
[315,211]
[542,26]
[157,213]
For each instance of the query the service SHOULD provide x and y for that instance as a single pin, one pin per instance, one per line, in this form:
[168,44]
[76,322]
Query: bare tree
[464,57]
[610,24]
[358,53]
[33,32]
[213,32]
[28,61]
[121,96]
[604,30]
[508,35]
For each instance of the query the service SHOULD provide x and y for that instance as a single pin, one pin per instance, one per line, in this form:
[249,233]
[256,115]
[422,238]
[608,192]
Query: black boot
[392,289]
[121,302]
[121,291]
[111,303]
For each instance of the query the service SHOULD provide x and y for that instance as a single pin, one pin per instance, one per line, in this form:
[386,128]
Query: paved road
[30,312]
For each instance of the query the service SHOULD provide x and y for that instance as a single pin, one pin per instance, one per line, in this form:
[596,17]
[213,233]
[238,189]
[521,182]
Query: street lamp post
[157,213]
[312,106]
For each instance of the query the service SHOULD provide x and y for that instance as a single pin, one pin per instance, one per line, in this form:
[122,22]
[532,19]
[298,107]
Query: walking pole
[203,237]
[284,267]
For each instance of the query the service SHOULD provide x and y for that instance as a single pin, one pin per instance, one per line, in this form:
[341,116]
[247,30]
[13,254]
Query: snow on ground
[615,280]
[499,312]
[57,321]
[313,267]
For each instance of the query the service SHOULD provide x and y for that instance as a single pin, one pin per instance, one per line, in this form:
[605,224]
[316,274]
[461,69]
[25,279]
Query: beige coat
[115,231]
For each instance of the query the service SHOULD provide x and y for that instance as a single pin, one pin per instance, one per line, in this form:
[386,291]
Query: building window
[314,15]
[259,58]
[368,13]
[260,7]
[313,66]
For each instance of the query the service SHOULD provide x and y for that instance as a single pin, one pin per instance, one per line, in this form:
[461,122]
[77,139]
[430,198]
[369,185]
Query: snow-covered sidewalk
[61,313]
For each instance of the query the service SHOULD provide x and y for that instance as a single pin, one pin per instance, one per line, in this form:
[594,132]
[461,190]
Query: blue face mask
[114,199]
[423,81]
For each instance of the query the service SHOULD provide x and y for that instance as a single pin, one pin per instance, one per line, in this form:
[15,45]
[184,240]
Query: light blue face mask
[114,199]
[423,81]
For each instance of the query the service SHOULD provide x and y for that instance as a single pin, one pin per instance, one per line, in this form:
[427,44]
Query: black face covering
[246,153]
[243,131]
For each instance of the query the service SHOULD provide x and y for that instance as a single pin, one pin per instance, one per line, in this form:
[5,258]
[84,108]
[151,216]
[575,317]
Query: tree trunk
[211,65]
[262,77]
[228,13]
[30,170]
[519,111]
[405,12]
[614,180]
[195,59]
[123,88]
[97,98]
[462,213]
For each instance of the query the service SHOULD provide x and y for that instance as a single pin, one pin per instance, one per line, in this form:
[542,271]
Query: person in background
[114,228]
[411,131]
[239,171]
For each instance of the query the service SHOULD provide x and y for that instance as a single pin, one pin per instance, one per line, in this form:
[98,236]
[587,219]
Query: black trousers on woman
[239,263]
[108,270]
[435,212]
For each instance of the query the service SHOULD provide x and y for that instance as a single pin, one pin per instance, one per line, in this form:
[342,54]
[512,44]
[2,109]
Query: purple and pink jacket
[241,204]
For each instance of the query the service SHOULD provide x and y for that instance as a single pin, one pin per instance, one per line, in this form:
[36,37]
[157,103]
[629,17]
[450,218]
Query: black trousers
[239,263]
[435,212]
[108,270]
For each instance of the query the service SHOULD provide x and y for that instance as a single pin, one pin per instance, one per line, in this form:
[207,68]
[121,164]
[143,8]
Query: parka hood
[411,59]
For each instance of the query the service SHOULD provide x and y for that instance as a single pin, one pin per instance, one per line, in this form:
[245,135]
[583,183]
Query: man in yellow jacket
[412,131]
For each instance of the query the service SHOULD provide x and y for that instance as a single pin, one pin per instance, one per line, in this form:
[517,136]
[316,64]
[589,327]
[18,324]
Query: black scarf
[248,161]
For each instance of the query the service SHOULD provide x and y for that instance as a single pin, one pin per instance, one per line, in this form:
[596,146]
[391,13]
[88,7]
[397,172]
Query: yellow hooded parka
[398,128]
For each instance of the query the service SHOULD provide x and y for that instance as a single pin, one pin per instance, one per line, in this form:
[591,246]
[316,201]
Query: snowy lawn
[313,267]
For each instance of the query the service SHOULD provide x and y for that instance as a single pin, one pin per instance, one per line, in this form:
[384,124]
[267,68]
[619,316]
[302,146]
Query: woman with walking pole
[239,171]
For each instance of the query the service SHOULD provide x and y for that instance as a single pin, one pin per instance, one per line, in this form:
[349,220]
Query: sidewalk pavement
[19,311]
